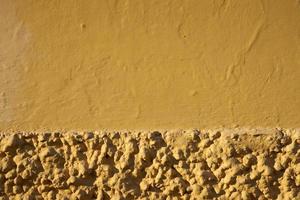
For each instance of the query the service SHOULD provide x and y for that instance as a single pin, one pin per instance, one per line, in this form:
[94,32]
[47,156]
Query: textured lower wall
[192,164]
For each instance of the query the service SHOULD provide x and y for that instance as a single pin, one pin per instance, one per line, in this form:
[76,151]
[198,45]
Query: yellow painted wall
[140,64]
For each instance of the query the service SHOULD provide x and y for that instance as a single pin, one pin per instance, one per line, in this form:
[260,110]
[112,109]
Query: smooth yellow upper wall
[144,64]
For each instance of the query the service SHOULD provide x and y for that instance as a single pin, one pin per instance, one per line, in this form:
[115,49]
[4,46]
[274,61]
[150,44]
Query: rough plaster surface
[143,64]
[149,64]
[213,164]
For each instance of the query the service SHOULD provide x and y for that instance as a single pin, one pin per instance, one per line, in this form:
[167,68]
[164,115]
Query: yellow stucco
[144,64]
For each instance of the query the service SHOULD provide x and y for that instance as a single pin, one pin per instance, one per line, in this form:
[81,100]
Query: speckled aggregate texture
[191,164]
